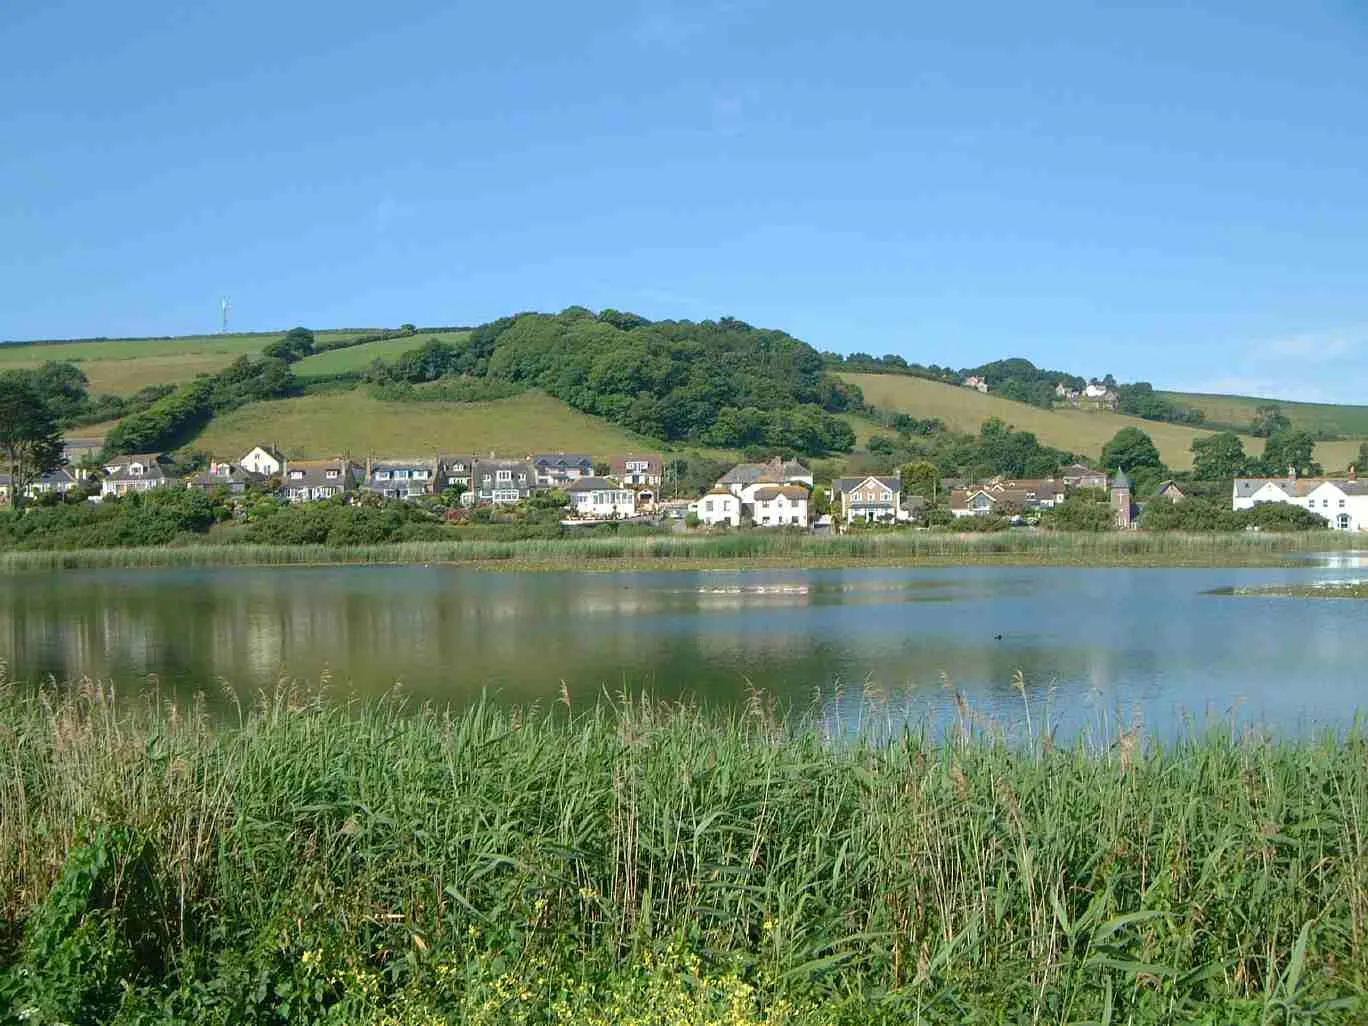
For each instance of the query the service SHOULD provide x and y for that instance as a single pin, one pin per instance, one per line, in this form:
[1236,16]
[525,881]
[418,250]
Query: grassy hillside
[1347,421]
[122,366]
[1078,431]
[353,422]
[358,358]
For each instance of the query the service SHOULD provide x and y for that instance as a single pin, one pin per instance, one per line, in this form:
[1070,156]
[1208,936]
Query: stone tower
[1121,501]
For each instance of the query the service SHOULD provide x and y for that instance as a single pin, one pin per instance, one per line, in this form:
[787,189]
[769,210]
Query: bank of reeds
[865,547]
[633,862]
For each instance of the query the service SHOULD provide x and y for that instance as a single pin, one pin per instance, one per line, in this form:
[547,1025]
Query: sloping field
[357,358]
[1077,431]
[341,423]
[123,366]
[1332,419]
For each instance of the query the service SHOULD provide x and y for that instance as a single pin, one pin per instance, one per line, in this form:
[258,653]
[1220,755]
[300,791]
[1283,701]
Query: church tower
[1121,501]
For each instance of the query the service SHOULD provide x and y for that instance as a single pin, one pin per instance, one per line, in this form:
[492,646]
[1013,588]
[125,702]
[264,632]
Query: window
[1341,504]
[382,475]
[708,506]
[1344,521]
[330,474]
[505,475]
[401,475]
[522,479]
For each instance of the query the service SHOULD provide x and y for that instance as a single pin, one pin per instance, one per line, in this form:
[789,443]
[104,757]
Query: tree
[921,478]
[1268,421]
[297,344]
[1087,509]
[1290,450]
[30,441]
[602,468]
[1130,449]
[1218,457]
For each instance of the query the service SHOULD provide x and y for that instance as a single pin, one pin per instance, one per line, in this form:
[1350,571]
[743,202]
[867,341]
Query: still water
[1148,645]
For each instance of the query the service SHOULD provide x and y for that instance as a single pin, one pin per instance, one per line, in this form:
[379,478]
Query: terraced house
[401,479]
[502,482]
[558,469]
[1342,501]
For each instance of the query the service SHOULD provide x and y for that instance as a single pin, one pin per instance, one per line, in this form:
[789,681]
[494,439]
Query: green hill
[1318,418]
[1080,431]
[357,358]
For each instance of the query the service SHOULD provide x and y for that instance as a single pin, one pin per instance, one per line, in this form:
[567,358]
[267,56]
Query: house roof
[776,471]
[317,478]
[720,489]
[771,492]
[849,484]
[269,450]
[594,484]
[654,463]
[562,459]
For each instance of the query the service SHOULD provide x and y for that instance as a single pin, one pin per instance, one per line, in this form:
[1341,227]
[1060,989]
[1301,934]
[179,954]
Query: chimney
[1291,473]
[1353,473]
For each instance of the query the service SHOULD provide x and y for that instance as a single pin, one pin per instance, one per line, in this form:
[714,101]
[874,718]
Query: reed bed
[875,548]
[633,862]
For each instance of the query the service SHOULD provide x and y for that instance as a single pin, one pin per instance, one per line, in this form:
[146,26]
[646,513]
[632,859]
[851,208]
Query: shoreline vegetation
[632,862]
[722,551]
[1320,589]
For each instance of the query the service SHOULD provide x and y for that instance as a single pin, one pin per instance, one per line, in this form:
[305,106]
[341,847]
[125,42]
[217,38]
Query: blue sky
[1174,194]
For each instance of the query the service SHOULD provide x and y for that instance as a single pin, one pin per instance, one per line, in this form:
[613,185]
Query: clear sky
[1175,192]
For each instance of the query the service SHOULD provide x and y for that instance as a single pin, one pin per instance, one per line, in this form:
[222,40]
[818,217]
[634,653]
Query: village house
[871,500]
[1341,501]
[1067,393]
[500,482]
[77,452]
[315,480]
[719,506]
[598,498]
[1035,493]
[400,479]
[975,382]
[638,471]
[746,476]
[454,472]
[264,460]
[127,474]
[558,469]
[1169,491]
[780,506]
[1098,396]
[1080,475]
[223,475]
[59,482]
[988,501]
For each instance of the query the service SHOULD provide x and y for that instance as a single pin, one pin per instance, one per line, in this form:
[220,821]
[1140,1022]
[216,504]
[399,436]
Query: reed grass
[874,548]
[636,862]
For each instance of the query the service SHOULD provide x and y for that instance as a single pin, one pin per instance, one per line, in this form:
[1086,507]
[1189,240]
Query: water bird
[997,637]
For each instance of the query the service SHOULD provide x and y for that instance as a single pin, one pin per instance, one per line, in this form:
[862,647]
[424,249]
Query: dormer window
[382,475]
[331,474]
[505,475]
[295,475]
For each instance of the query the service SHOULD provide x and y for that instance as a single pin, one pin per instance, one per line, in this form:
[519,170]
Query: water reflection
[1089,644]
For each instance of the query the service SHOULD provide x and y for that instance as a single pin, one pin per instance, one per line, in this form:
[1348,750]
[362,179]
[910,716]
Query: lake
[1092,645]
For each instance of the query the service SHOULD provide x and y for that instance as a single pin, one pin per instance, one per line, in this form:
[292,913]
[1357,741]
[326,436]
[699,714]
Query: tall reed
[341,861]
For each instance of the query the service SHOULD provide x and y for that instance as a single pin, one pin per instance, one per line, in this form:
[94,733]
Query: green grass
[628,862]
[358,358]
[1238,410]
[123,366]
[353,422]
[1080,431]
[901,548]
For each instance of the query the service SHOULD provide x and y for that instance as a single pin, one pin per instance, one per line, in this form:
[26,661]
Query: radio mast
[224,307]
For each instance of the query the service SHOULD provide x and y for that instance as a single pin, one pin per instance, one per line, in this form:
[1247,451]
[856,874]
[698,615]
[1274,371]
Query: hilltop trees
[1268,421]
[297,344]
[1130,450]
[30,440]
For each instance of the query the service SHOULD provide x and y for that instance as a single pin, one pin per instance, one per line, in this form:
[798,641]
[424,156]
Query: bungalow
[1080,475]
[869,499]
[400,479]
[315,480]
[1343,501]
[987,501]
[720,506]
[223,475]
[140,473]
[598,498]
[638,471]
[556,469]
[501,482]
[59,481]
[780,506]
[264,460]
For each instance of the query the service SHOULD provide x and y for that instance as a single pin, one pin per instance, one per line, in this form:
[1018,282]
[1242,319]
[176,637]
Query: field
[622,862]
[1238,410]
[1078,431]
[122,366]
[358,358]
[351,422]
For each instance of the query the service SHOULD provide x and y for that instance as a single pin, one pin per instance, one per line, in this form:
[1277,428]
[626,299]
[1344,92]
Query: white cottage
[263,460]
[1343,502]
[599,498]
[720,506]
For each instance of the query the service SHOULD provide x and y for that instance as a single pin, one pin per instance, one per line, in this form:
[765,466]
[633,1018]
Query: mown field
[358,358]
[123,366]
[1238,410]
[1077,431]
[632,863]
[352,422]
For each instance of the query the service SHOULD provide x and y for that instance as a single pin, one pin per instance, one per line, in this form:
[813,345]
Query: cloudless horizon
[1174,194]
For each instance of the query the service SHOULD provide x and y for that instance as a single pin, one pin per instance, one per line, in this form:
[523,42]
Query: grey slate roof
[594,484]
[849,484]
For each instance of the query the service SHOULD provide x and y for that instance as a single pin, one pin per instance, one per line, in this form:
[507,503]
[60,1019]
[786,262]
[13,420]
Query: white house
[780,506]
[720,506]
[139,473]
[263,460]
[601,499]
[1343,502]
[869,499]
